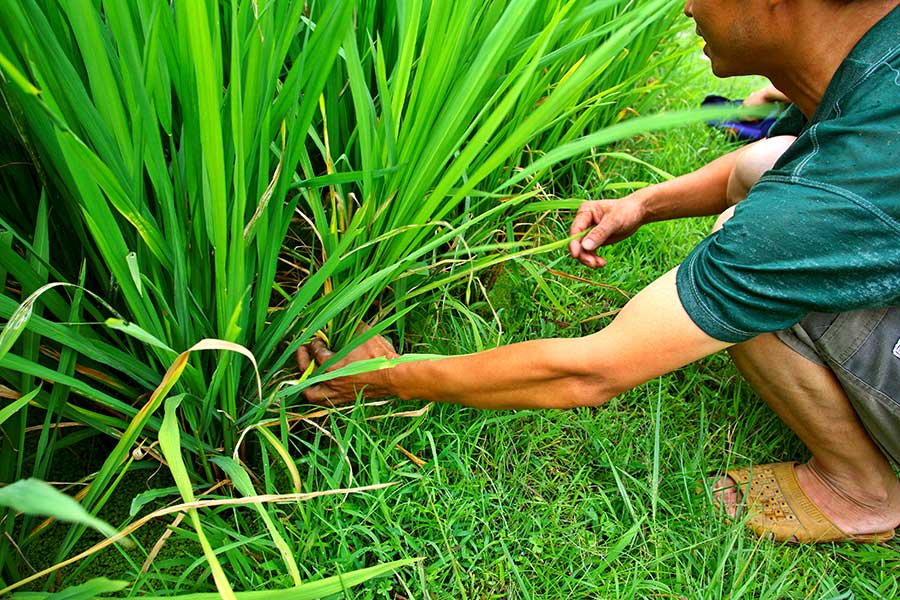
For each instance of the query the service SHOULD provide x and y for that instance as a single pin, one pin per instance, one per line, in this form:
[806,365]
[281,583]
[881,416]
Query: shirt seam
[846,194]
[881,61]
[795,176]
[698,301]
[872,67]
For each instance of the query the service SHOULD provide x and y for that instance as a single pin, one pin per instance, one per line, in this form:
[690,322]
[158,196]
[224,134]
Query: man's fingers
[591,260]
[329,393]
[312,394]
[322,396]
[596,218]
[594,261]
[303,358]
[386,345]
[584,218]
[575,248]
[595,237]
[319,351]
[584,250]
[316,394]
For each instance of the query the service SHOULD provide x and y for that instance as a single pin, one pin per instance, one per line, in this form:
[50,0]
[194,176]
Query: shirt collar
[880,43]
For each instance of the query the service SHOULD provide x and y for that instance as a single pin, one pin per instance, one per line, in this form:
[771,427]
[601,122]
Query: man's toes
[726,495]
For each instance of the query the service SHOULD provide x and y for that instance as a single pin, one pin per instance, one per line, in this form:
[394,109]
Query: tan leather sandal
[779,508]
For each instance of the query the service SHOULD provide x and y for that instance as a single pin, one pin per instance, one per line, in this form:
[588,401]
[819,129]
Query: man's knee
[726,214]
[755,160]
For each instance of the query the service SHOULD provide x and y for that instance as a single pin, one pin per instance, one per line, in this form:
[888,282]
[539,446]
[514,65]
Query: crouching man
[800,280]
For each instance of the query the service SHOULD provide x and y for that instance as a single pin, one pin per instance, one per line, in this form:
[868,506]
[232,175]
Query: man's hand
[609,221]
[766,95]
[344,390]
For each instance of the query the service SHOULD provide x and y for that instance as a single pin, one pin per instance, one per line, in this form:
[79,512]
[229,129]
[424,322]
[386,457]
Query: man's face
[731,31]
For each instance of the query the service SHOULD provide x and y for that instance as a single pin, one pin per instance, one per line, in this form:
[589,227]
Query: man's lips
[705,46]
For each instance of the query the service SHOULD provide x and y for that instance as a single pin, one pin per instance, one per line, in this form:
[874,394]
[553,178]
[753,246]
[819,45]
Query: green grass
[590,503]
[173,144]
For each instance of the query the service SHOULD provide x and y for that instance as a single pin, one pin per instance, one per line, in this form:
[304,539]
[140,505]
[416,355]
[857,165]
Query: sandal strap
[782,510]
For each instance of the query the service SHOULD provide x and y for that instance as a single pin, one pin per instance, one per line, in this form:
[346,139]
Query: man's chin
[717,66]
[720,73]
[720,70]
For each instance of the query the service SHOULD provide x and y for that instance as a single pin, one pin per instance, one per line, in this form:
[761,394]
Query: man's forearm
[651,336]
[549,373]
[697,194]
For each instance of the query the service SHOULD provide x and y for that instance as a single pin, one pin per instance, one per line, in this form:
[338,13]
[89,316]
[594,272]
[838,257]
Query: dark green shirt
[820,232]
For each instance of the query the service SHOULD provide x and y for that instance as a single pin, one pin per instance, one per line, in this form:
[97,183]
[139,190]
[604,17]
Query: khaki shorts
[862,348]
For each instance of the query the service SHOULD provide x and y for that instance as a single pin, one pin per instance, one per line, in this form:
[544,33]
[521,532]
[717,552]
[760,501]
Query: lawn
[609,502]
[589,503]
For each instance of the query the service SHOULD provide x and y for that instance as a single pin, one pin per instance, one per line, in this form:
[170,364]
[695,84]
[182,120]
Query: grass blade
[15,405]
[35,497]
[170,443]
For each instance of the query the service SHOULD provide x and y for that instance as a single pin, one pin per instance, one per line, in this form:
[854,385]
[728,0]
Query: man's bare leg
[755,159]
[848,477]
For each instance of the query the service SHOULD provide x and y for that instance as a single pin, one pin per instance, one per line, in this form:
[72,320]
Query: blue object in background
[748,131]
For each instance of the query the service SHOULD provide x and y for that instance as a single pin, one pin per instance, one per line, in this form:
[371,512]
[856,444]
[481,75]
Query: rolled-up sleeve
[791,248]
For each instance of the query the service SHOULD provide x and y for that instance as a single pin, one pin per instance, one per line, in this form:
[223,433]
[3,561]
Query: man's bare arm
[651,336]
[700,193]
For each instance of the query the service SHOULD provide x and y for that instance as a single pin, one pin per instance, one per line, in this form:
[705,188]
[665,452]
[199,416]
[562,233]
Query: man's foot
[855,507]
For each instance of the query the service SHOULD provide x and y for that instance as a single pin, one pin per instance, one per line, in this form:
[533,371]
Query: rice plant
[172,146]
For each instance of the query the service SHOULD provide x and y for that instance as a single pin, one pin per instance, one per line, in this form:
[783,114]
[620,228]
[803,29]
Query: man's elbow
[587,376]
[589,391]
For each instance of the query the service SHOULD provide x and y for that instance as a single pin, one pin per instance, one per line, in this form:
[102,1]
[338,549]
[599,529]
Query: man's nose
[689,9]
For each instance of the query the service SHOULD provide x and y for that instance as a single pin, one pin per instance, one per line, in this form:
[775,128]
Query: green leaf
[135,269]
[136,332]
[35,497]
[629,128]
[16,324]
[17,77]
[367,366]
[665,175]
[313,590]
[138,502]
[170,444]
[86,591]
[242,483]
[14,407]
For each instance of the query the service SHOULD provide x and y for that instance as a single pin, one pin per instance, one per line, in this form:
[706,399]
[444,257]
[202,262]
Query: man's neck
[820,35]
